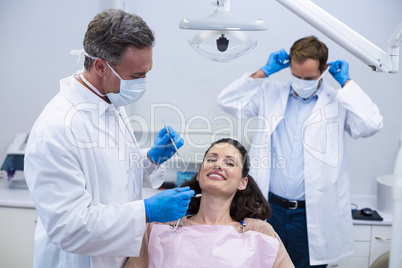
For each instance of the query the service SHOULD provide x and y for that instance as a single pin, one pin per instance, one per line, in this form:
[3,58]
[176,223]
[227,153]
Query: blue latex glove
[169,205]
[276,62]
[163,148]
[340,71]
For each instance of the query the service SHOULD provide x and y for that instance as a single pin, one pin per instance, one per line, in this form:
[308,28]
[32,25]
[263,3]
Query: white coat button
[126,187]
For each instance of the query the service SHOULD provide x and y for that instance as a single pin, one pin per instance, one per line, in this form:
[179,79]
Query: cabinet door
[17,237]
[359,259]
[362,233]
[350,262]
[380,241]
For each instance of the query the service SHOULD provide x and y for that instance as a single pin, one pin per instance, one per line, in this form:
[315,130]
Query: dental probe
[171,139]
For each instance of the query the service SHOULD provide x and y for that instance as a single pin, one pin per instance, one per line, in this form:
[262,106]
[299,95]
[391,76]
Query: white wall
[38,35]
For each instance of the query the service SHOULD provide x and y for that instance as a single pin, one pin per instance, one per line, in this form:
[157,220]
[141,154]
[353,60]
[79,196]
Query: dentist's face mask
[304,88]
[130,90]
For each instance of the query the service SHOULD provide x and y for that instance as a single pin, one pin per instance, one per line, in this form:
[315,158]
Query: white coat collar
[78,94]
[327,95]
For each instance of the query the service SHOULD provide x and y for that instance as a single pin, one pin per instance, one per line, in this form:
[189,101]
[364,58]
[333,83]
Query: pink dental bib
[210,246]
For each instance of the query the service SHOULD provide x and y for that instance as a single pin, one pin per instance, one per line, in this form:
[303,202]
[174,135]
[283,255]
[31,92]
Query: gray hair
[111,32]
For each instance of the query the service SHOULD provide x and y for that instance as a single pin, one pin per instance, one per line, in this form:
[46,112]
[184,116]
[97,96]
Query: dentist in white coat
[297,153]
[83,166]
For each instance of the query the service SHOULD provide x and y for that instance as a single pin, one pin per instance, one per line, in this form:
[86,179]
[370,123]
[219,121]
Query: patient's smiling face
[221,171]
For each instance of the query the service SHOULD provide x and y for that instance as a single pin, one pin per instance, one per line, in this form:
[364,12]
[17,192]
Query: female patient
[225,226]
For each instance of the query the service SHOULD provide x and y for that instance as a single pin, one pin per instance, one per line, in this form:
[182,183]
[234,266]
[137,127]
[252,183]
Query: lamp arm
[344,36]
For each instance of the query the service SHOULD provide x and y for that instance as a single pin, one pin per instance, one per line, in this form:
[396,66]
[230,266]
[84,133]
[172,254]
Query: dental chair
[382,261]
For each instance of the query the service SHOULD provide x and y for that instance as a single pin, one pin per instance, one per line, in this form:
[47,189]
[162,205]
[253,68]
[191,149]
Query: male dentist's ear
[326,67]
[243,183]
[100,67]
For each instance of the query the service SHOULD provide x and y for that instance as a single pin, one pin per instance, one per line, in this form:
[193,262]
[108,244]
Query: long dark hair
[247,203]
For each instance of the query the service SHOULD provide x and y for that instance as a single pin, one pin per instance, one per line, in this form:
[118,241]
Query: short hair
[111,32]
[247,203]
[309,48]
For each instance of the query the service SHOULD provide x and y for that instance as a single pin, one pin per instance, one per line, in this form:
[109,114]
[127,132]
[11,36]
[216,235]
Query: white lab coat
[349,109]
[85,174]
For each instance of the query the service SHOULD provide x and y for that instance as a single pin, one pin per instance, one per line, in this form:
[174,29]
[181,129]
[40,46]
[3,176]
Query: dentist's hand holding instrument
[172,204]
[168,205]
[165,146]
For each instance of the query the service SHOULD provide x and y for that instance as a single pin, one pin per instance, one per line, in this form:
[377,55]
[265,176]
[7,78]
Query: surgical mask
[304,88]
[130,90]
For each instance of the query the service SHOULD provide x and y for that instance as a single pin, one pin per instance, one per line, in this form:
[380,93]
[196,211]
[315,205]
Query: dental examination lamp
[222,36]
[347,38]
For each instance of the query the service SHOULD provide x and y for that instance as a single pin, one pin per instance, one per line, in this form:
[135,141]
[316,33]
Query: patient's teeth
[216,176]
